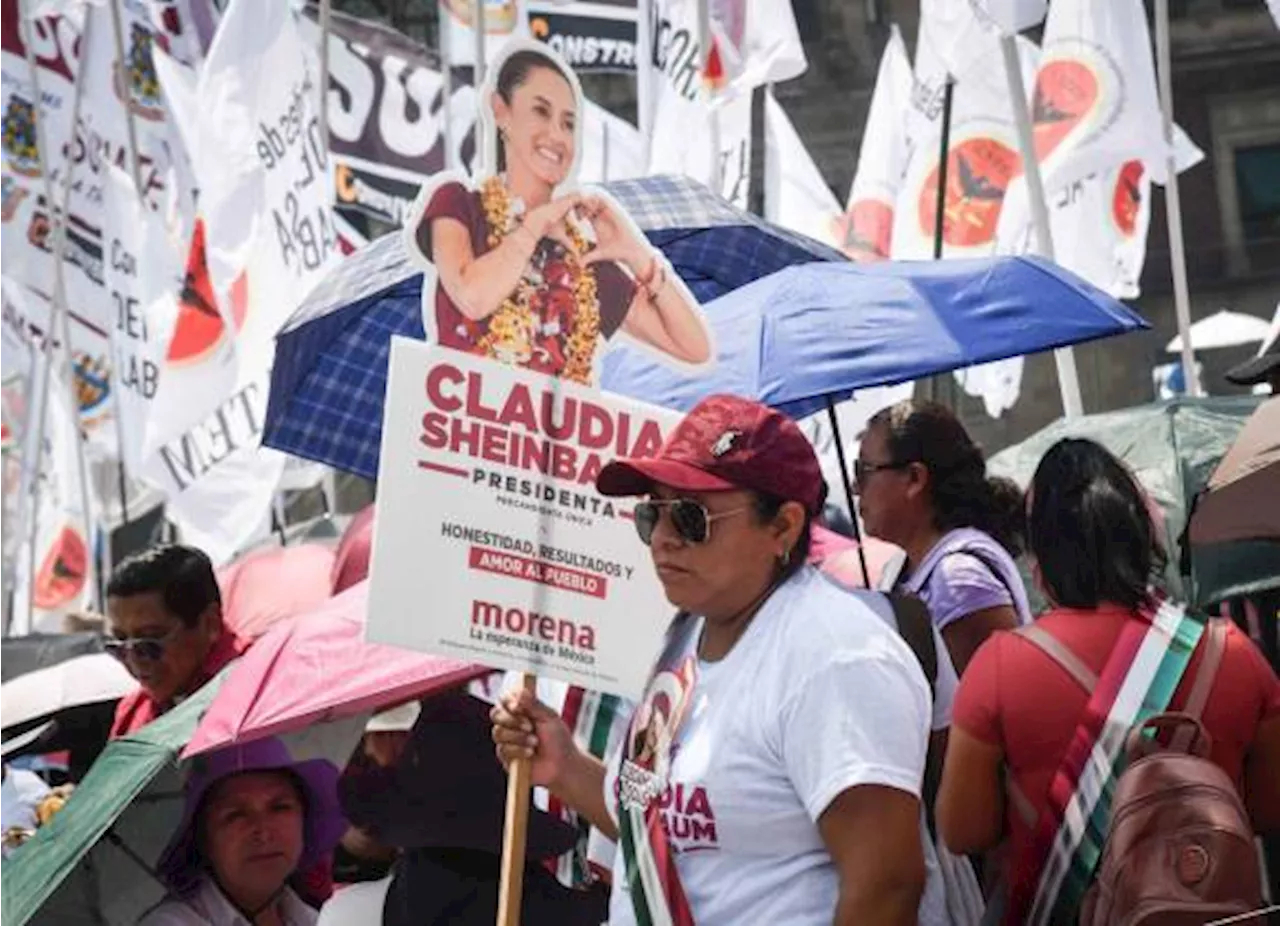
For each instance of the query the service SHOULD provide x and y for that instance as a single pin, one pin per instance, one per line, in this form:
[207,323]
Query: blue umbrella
[807,335]
[795,339]
[329,377]
[714,246]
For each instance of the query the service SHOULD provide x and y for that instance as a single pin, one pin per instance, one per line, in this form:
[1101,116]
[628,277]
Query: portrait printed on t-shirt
[647,751]
[524,267]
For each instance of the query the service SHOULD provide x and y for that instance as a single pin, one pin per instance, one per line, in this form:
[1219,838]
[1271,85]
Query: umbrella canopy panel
[20,655]
[318,669]
[92,862]
[95,861]
[1223,329]
[807,334]
[791,339]
[1172,447]
[77,682]
[272,584]
[1235,507]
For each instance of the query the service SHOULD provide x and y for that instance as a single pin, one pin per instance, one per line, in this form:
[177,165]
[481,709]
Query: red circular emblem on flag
[865,229]
[62,574]
[1066,92]
[200,328]
[978,173]
[1126,200]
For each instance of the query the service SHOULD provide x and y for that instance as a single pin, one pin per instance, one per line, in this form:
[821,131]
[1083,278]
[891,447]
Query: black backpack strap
[915,626]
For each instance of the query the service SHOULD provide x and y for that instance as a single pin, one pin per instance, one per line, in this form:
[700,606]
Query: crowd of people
[807,750]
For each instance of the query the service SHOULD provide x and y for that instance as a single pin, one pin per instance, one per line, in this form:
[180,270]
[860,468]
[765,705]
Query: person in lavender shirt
[923,485]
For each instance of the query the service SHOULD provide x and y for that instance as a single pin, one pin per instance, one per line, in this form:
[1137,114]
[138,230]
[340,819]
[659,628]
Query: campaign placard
[491,543]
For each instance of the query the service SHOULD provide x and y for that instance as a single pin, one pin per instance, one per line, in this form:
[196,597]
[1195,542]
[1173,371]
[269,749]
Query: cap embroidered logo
[725,443]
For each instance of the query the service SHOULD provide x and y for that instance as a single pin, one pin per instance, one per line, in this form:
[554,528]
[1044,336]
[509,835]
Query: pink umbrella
[837,556]
[351,563]
[318,668]
[268,585]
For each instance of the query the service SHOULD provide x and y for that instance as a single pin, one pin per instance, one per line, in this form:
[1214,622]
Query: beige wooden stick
[515,831]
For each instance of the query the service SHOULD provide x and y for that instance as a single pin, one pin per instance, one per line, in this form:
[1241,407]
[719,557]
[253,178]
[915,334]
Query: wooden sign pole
[515,831]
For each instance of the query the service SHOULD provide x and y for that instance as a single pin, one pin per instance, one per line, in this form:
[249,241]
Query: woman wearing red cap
[773,768]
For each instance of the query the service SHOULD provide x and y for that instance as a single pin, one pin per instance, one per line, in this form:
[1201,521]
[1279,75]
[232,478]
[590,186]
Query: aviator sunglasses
[146,649]
[691,519]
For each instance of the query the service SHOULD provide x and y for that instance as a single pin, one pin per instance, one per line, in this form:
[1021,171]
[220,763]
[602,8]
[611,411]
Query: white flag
[98,141]
[755,42]
[177,25]
[612,149]
[27,218]
[143,277]
[949,41]
[982,158]
[503,20]
[761,41]
[1094,103]
[63,561]
[1009,16]
[1099,223]
[39,9]
[795,195]
[15,394]
[866,227]
[982,155]
[265,204]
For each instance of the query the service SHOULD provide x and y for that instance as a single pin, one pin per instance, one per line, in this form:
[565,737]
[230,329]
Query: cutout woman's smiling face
[538,125]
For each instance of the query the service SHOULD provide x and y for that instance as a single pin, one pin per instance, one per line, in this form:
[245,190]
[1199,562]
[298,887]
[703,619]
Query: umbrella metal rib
[848,490]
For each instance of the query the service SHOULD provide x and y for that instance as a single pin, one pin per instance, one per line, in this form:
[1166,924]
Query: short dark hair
[766,507]
[961,494]
[182,575]
[1090,529]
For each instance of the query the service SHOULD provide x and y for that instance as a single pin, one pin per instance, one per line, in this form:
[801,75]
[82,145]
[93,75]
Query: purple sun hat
[180,866]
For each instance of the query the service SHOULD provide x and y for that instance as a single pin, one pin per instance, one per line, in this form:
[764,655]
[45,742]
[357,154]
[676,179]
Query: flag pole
[443,42]
[1064,357]
[135,172]
[477,34]
[28,470]
[1173,204]
[933,390]
[29,482]
[59,311]
[704,47]
[944,151]
[322,112]
[4,560]
[644,73]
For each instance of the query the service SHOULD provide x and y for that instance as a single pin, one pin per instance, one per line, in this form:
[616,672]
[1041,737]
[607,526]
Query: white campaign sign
[491,543]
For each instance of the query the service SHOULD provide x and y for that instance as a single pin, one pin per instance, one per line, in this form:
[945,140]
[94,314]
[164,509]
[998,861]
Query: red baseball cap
[726,442]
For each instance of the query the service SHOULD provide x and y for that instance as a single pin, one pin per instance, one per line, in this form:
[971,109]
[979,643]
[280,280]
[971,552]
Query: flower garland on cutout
[549,286]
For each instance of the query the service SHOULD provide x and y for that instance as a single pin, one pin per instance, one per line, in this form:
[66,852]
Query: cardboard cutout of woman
[529,270]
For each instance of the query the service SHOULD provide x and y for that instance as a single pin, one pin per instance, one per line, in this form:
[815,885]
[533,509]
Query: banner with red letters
[491,543]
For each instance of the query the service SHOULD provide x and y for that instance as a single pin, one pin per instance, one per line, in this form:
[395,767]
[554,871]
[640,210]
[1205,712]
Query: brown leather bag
[1179,848]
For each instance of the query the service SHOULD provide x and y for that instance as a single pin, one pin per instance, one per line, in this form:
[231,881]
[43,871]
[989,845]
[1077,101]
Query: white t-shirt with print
[817,696]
